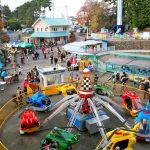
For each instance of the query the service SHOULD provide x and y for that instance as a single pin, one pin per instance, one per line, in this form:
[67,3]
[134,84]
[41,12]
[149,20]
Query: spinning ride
[87,108]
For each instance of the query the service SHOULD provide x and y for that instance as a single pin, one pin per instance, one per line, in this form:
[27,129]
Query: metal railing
[7,111]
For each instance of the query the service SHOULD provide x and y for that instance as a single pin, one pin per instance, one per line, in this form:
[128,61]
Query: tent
[24,45]
[15,44]
[80,47]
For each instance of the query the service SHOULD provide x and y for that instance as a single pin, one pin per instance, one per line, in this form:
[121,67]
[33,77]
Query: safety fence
[8,110]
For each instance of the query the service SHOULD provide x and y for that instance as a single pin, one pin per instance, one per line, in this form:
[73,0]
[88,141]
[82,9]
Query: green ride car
[103,90]
[59,139]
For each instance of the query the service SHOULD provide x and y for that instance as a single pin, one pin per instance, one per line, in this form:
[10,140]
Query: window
[37,29]
[53,79]
[54,29]
[41,29]
[64,28]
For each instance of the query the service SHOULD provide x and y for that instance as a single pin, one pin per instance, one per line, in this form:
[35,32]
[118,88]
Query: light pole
[119,14]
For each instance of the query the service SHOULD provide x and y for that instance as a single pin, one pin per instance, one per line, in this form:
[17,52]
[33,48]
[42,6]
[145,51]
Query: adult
[14,65]
[68,65]
[51,56]
[3,75]
[25,83]
[43,49]
[146,88]
[55,60]
[19,96]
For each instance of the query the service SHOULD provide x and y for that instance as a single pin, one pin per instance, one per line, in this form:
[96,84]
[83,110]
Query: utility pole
[53,8]
[66,6]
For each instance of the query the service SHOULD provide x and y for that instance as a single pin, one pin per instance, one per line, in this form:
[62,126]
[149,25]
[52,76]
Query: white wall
[40,25]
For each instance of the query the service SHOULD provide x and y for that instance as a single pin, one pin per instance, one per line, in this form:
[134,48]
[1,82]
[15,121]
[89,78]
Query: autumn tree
[3,36]
[96,15]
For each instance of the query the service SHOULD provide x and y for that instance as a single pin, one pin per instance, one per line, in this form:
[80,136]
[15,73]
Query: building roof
[140,64]
[49,34]
[118,61]
[133,56]
[129,62]
[53,21]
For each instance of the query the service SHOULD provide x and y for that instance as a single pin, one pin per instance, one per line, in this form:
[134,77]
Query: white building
[50,29]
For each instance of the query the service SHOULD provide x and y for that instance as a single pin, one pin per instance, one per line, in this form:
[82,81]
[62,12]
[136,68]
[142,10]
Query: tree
[3,36]
[136,12]
[13,24]
[30,11]
[96,15]
[6,11]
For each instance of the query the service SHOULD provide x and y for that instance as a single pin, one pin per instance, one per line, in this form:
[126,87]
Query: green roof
[49,34]
[55,21]
[132,56]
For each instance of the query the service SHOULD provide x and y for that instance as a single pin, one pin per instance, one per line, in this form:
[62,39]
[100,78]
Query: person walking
[51,56]
[27,59]
[19,96]
[55,60]
[3,75]
[14,65]
[19,70]
[68,65]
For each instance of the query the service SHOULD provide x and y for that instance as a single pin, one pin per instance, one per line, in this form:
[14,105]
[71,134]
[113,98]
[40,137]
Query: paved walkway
[12,87]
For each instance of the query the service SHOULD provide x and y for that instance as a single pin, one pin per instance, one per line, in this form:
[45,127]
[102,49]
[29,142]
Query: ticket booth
[50,78]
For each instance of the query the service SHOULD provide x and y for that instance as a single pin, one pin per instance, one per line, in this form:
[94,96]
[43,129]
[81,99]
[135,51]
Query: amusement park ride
[131,102]
[85,112]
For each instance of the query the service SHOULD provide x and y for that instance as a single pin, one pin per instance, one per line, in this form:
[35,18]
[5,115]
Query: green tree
[30,11]
[13,24]
[136,12]
[6,11]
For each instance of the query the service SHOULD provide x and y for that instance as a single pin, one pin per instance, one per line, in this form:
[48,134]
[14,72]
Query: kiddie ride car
[143,118]
[41,102]
[103,90]
[59,139]
[131,102]
[118,139]
[29,122]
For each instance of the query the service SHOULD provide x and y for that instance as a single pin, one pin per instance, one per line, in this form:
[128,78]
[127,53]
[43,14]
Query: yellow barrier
[5,112]
[2,147]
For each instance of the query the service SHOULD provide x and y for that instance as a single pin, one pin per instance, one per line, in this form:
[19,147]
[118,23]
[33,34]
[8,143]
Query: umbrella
[15,44]
[24,45]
